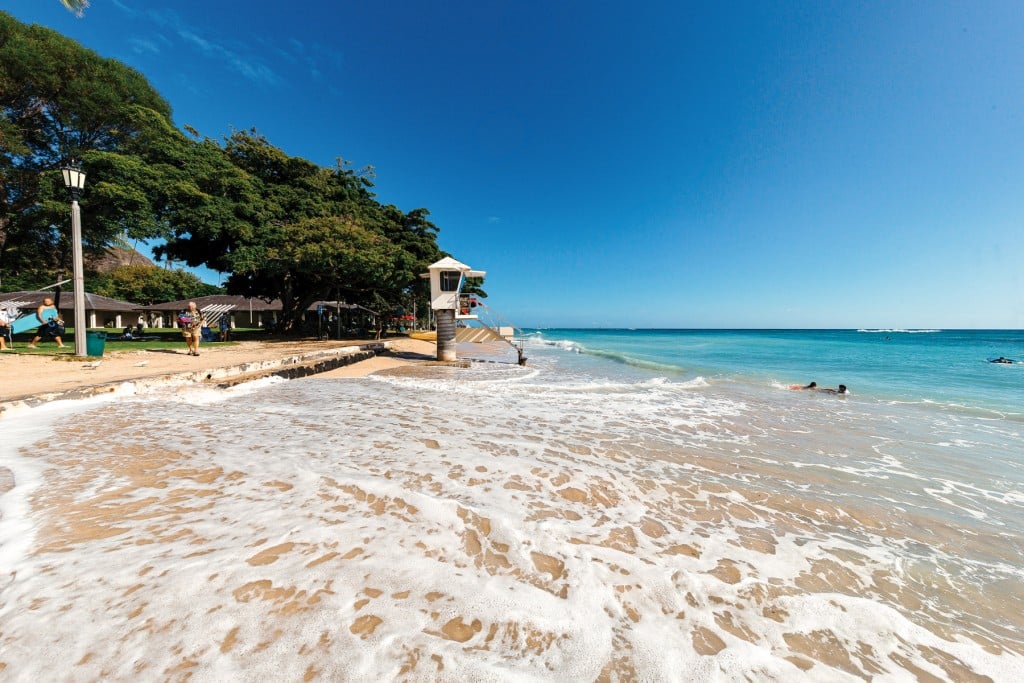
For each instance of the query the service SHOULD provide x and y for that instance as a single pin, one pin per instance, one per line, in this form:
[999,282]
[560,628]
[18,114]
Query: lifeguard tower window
[450,280]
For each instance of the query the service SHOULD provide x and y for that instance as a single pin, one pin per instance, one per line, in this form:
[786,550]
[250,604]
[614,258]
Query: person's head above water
[842,388]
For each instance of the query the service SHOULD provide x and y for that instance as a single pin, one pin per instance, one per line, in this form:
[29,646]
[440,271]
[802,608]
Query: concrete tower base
[445,335]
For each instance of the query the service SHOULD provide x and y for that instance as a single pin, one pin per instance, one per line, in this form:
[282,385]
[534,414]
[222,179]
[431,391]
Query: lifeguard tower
[447,277]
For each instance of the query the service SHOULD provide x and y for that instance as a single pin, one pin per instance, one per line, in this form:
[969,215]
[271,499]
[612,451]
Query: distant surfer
[812,385]
[1002,360]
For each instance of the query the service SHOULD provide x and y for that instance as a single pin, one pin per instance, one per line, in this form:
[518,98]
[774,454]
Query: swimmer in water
[1003,360]
[840,390]
[812,385]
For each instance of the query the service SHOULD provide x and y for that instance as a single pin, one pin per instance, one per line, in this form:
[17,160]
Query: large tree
[282,226]
[148,284]
[309,233]
[60,101]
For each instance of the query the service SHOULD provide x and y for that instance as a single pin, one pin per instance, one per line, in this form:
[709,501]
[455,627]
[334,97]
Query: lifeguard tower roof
[448,263]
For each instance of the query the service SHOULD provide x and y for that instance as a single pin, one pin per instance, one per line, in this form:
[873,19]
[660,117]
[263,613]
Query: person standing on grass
[50,327]
[192,322]
[5,328]
[225,327]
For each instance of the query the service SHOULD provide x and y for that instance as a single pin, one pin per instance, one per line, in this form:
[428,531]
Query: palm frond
[76,6]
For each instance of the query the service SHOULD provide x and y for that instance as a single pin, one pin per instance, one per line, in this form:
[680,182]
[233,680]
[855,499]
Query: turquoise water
[943,366]
[921,467]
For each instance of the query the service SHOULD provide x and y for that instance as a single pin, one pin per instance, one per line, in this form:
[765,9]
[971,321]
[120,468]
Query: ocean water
[944,366]
[631,505]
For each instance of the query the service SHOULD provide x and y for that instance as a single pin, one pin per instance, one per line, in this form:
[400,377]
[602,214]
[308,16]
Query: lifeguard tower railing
[489,325]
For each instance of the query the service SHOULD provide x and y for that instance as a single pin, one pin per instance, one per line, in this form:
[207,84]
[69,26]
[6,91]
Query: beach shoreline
[32,379]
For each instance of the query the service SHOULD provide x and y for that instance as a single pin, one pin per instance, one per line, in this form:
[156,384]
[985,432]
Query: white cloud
[203,44]
[319,61]
[236,59]
[141,45]
[124,8]
[248,66]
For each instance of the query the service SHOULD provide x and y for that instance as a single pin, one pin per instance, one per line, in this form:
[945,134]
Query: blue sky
[648,164]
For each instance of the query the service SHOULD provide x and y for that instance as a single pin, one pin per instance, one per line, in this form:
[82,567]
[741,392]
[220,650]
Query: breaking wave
[896,330]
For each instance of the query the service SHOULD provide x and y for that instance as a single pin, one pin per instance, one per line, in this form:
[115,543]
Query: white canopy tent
[213,312]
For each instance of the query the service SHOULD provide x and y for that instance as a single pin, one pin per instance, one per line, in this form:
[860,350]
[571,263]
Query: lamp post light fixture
[74,180]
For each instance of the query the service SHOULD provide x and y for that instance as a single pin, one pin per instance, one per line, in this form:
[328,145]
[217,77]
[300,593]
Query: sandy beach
[27,376]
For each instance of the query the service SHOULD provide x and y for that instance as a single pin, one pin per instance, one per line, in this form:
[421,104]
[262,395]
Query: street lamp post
[74,180]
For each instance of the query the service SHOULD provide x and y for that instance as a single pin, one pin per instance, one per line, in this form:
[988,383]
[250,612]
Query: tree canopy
[307,233]
[58,102]
[280,226]
[146,284]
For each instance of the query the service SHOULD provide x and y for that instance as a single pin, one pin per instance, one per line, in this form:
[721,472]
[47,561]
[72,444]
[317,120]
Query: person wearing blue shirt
[51,327]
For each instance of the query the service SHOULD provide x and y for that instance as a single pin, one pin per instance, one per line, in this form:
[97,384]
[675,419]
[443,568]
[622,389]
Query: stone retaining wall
[292,366]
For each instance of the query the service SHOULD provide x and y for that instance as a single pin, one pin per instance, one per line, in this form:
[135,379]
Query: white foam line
[27,428]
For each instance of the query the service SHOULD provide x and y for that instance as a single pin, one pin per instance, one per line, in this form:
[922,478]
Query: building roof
[339,306]
[213,304]
[93,302]
[223,302]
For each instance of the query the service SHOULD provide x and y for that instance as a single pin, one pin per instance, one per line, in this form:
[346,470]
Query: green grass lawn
[166,338]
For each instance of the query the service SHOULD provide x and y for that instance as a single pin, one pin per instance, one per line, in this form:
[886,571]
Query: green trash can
[94,343]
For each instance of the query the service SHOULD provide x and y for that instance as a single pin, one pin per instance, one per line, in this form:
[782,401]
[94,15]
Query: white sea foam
[565,345]
[207,394]
[898,331]
[497,524]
